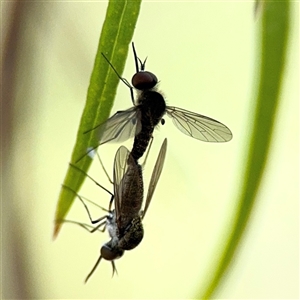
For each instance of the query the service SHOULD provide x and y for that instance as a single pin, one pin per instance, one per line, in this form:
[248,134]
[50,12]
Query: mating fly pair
[124,221]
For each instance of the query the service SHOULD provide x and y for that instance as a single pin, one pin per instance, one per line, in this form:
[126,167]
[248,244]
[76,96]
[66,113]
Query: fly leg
[89,214]
[148,150]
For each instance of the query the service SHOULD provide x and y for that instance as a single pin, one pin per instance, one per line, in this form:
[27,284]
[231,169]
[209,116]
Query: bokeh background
[203,53]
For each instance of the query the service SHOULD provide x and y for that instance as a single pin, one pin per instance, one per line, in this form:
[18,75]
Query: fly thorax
[112,229]
[133,235]
[152,105]
[111,225]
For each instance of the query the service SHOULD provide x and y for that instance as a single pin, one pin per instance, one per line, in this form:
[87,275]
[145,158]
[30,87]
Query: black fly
[124,222]
[140,120]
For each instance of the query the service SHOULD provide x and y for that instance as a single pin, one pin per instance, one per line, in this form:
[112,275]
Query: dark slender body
[152,107]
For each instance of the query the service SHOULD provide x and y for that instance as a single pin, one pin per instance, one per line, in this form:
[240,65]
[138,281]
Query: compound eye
[144,80]
[109,254]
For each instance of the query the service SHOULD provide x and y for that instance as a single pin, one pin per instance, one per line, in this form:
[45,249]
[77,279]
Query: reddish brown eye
[144,80]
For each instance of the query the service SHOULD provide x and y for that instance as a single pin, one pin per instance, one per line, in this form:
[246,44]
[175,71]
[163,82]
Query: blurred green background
[203,53]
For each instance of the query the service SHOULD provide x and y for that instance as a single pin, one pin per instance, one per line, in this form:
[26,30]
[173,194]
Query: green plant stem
[116,35]
[273,32]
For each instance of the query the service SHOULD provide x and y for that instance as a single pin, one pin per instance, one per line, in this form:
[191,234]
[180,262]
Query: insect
[140,120]
[124,222]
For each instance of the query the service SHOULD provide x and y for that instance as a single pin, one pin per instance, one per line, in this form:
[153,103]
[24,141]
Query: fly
[140,120]
[124,222]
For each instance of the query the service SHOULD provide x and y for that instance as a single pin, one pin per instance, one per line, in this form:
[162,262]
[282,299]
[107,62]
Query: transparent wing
[120,127]
[120,169]
[198,126]
[155,174]
[127,186]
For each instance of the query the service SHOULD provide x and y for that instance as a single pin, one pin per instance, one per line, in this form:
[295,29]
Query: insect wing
[120,127]
[126,173]
[198,126]
[120,168]
[156,174]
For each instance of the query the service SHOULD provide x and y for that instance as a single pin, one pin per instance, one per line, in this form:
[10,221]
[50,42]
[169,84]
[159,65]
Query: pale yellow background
[203,53]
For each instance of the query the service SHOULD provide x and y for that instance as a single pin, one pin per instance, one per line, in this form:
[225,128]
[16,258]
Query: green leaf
[116,35]
[273,31]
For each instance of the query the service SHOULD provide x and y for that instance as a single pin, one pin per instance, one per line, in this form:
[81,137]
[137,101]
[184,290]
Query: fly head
[144,80]
[111,253]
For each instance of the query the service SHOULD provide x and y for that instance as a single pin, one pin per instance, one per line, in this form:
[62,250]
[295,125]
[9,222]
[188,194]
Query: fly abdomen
[141,142]
[132,195]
